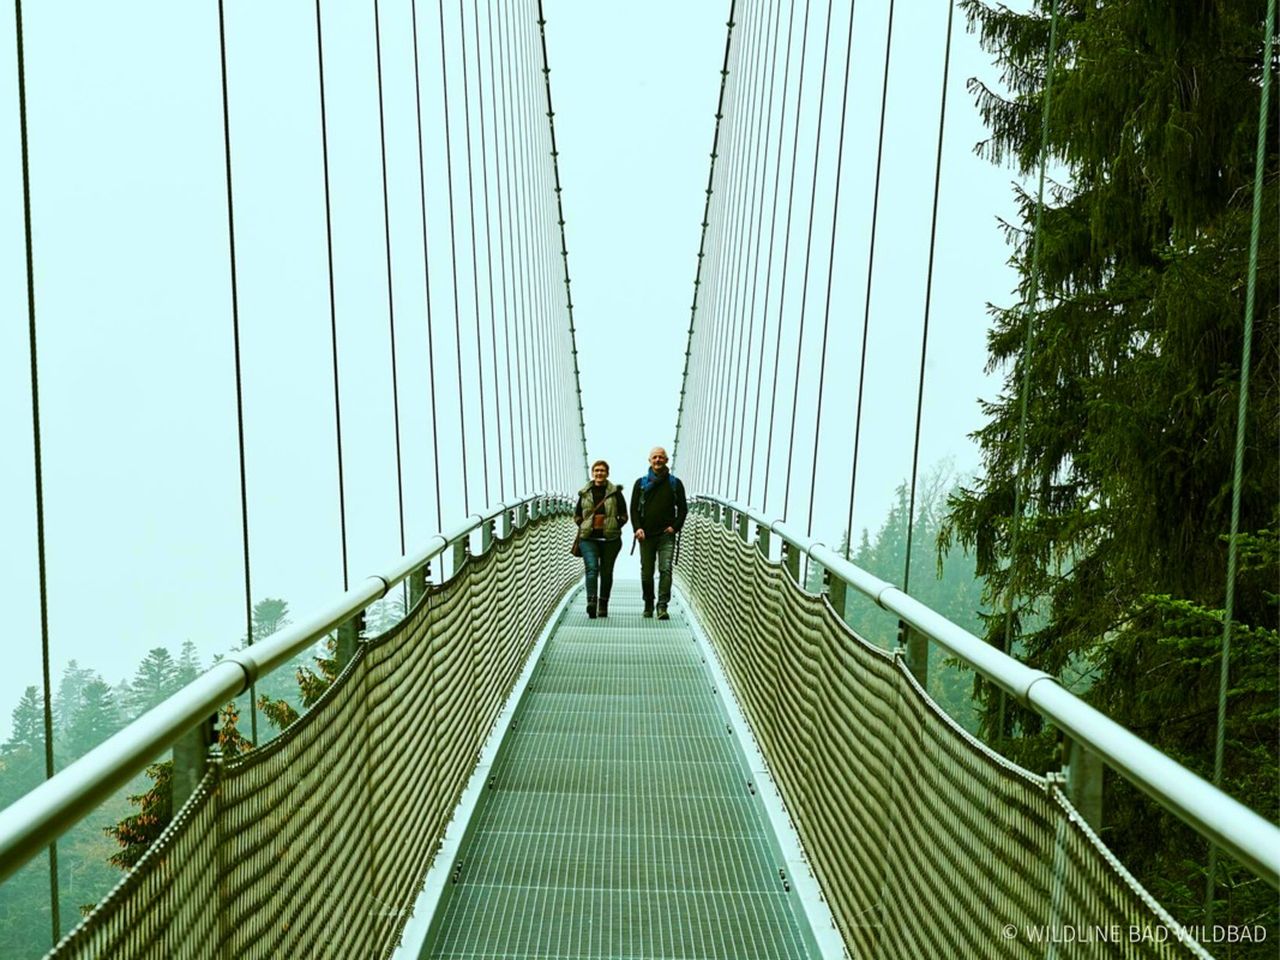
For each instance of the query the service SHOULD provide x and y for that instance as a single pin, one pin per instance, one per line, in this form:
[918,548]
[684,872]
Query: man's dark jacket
[662,505]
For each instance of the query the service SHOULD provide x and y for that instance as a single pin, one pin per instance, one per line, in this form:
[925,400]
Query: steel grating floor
[618,822]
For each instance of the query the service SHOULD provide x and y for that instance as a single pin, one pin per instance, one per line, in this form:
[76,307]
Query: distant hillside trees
[946,582]
[87,710]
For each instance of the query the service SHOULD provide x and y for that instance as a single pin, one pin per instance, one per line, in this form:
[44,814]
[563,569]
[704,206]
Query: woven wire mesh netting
[925,842]
[316,844]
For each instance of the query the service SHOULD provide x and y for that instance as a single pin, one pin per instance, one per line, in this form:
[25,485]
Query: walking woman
[601,514]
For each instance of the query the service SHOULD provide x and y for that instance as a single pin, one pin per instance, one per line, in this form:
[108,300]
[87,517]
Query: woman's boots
[602,608]
[591,607]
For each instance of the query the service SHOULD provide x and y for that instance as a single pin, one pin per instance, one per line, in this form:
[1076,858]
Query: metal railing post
[418,584]
[190,756]
[350,633]
[837,592]
[1083,772]
[486,536]
[461,551]
[791,560]
[522,515]
[743,528]
[762,539]
[915,647]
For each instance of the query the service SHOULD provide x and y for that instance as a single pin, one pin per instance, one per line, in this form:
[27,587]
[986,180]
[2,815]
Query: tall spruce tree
[1134,376]
[155,679]
[269,615]
[22,755]
[97,718]
[188,663]
[70,688]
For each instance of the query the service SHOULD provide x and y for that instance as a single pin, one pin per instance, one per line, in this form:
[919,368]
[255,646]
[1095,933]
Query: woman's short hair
[601,463]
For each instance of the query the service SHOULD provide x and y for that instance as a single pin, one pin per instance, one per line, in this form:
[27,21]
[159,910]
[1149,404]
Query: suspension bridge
[495,774]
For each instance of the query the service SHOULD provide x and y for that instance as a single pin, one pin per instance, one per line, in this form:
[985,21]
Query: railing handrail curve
[1212,813]
[38,818]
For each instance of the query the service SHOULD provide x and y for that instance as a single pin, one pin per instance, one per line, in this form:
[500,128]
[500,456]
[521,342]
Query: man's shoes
[591,608]
[662,612]
[602,607]
[648,610]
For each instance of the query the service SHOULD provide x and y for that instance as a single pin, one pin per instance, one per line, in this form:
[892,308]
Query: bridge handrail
[1215,815]
[42,815]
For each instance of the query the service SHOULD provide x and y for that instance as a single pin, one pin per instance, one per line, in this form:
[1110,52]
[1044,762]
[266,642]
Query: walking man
[658,509]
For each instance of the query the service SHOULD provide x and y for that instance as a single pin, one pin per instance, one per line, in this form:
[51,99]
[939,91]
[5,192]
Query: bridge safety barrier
[925,842]
[316,843]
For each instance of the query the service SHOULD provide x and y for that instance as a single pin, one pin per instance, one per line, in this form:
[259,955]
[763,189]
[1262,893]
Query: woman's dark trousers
[598,557]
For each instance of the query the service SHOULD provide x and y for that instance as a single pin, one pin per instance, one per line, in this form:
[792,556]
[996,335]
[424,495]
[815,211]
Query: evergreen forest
[1101,519]
[87,709]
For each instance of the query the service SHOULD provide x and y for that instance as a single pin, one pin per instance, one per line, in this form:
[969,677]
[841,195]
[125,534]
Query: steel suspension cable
[426,267]
[928,298]
[538,250]
[871,261]
[808,250]
[1028,345]
[527,313]
[831,264]
[722,195]
[502,246]
[564,246]
[702,242]
[713,343]
[1242,411]
[735,229]
[703,301]
[453,260]
[715,394]
[333,306]
[475,266]
[556,307]
[786,250]
[748,232]
[235,342]
[55,915]
[391,306]
[768,278]
[540,152]
[488,243]
[763,160]
[554,254]
[519,308]
[699,346]
[715,340]
[531,254]
[502,260]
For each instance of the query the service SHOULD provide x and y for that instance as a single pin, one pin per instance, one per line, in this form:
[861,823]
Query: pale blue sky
[136,376]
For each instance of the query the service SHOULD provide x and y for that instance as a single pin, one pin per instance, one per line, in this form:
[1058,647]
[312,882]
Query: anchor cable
[333,309]
[391,307]
[235,339]
[928,300]
[54,912]
[871,261]
[426,268]
[1242,410]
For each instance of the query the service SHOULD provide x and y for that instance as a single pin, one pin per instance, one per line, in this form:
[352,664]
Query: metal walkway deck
[618,821]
